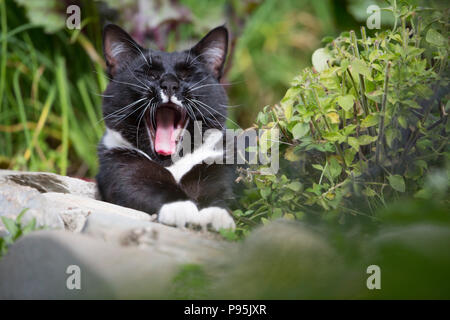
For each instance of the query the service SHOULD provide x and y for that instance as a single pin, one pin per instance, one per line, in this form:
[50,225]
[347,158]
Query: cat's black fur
[128,178]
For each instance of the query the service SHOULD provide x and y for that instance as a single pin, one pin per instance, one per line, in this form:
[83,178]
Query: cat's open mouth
[166,126]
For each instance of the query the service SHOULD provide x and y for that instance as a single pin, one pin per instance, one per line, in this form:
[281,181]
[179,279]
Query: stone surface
[49,182]
[124,253]
[35,268]
[118,249]
[20,190]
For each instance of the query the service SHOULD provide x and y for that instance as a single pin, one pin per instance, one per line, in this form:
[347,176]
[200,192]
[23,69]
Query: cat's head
[153,95]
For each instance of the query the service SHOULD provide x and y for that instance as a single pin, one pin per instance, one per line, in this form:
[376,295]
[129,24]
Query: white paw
[182,213]
[179,214]
[217,217]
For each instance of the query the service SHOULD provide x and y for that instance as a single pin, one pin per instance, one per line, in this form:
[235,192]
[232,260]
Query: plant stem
[313,122]
[61,80]
[361,78]
[4,51]
[338,147]
[383,110]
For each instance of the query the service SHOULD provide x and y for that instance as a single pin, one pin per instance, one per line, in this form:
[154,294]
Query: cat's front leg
[185,213]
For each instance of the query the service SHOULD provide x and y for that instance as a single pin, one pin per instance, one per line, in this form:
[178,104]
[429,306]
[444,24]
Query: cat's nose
[169,84]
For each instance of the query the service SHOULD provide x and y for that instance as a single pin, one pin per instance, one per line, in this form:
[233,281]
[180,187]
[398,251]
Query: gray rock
[20,190]
[121,252]
[36,267]
[49,182]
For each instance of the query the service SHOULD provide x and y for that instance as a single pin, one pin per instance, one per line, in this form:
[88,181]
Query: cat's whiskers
[122,82]
[198,56]
[132,73]
[201,114]
[192,86]
[230,107]
[127,115]
[140,51]
[197,103]
[140,119]
[189,110]
[102,95]
[128,83]
[194,118]
[210,85]
[114,114]
[211,108]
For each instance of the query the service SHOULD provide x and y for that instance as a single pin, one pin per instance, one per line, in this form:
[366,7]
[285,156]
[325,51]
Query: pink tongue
[165,125]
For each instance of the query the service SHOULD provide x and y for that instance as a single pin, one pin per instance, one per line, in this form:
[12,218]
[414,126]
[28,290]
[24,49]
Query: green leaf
[19,217]
[346,102]
[353,142]
[370,120]
[228,234]
[413,104]
[299,215]
[369,192]
[391,134]
[375,95]
[288,196]
[349,155]
[277,213]
[402,122]
[295,186]
[10,225]
[288,110]
[31,226]
[360,67]
[299,130]
[265,192]
[335,168]
[291,155]
[287,103]
[397,182]
[262,118]
[334,117]
[435,38]
[366,139]
[333,136]
[45,14]
[318,167]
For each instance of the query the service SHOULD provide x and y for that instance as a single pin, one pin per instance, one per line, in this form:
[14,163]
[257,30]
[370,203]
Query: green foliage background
[51,77]
[363,133]
[366,127]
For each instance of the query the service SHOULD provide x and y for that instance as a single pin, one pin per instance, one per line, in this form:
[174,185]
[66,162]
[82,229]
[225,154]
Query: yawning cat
[153,99]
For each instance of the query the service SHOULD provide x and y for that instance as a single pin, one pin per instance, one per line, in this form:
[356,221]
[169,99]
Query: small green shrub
[362,127]
[16,229]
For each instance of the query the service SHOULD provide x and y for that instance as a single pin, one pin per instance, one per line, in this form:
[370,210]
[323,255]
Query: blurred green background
[51,77]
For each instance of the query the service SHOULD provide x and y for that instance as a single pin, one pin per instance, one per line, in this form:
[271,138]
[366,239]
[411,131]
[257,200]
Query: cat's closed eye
[184,73]
[153,75]
[151,72]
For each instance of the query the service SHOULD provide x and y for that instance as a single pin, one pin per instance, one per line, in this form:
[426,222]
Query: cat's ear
[213,50]
[118,48]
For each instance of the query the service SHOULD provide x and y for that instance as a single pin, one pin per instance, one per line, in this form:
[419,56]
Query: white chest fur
[206,152]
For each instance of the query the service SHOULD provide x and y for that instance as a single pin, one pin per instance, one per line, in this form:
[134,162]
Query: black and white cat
[152,99]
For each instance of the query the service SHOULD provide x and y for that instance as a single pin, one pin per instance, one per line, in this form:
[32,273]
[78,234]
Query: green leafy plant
[363,126]
[16,229]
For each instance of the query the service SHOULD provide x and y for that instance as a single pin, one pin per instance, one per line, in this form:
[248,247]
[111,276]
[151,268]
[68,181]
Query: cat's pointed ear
[118,47]
[213,50]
